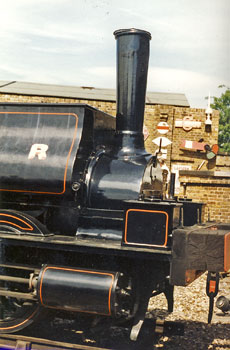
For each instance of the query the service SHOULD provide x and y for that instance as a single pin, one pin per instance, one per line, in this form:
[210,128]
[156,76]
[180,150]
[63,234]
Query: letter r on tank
[38,150]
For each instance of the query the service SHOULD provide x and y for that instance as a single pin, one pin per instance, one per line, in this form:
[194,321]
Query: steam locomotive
[88,222]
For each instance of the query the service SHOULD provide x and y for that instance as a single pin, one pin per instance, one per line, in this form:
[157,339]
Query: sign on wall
[175,169]
[193,145]
[162,141]
[187,123]
[163,128]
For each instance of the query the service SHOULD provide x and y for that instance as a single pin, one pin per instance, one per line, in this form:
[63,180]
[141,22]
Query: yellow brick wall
[155,114]
[106,106]
[214,191]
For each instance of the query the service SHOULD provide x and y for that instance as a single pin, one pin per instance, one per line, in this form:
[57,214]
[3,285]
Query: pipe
[132,69]
[17,295]
[172,186]
[14,279]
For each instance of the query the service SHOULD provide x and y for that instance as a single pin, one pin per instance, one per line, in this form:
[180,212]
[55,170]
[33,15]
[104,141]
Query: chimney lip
[129,31]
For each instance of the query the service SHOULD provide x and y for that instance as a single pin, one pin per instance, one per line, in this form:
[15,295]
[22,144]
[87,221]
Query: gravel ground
[191,308]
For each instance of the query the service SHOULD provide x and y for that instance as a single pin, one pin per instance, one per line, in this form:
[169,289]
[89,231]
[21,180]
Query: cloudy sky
[70,42]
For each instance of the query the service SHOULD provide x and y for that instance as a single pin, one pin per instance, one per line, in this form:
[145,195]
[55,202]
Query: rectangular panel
[146,227]
[35,150]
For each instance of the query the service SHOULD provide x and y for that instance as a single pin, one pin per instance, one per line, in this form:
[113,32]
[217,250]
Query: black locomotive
[88,222]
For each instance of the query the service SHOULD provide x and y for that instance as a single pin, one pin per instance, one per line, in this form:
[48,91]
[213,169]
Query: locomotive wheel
[16,312]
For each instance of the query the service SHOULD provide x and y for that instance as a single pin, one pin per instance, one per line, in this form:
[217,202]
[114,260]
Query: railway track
[19,342]
[65,335]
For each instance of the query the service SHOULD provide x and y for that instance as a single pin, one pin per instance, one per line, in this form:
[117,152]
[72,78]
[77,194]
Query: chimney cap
[132,31]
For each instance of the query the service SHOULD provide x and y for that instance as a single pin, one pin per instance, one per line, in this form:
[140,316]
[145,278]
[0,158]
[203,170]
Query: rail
[20,342]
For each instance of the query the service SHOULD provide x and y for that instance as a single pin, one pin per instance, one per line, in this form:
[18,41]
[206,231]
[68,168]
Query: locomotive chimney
[132,68]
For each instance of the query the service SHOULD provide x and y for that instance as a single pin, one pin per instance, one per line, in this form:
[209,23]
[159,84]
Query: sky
[71,42]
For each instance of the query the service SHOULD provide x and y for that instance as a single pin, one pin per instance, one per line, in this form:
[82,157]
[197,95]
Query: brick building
[200,177]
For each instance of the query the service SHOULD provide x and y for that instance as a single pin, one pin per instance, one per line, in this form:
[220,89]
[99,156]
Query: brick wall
[155,114]
[106,106]
[211,188]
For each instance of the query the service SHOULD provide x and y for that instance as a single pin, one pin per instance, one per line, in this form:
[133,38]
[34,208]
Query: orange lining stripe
[19,324]
[76,270]
[162,127]
[227,252]
[71,147]
[147,211]
[28,228]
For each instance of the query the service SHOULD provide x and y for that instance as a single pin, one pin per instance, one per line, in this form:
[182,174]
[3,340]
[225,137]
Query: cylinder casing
[75,289]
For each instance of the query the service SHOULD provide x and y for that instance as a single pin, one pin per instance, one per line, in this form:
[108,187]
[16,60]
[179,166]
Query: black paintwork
[192,212]
[149,224]
[119,173]
[74,289]
[115,180]
[132,68]
[69,131]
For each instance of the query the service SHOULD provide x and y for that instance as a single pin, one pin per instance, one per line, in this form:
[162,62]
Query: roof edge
[86,93]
